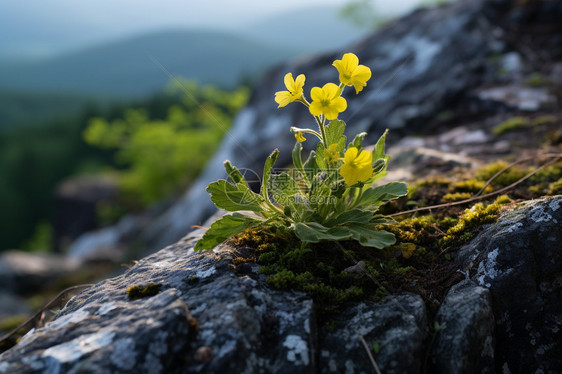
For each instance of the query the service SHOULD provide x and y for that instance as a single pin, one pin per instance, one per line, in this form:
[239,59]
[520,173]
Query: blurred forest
[152,147]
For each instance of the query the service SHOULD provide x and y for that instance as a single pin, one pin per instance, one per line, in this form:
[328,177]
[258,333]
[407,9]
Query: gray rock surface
[211,318]
[242,325]
[22,272]
[465,342]
[519,259]
[398,327]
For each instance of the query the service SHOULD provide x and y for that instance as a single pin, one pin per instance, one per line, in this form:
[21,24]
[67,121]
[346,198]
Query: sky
[38,26]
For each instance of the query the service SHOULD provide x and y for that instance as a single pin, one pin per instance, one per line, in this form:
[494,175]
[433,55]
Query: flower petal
[362,73]
[289,82]
[299,137]
[364,158]
[364,173]
[330,113]
[283,98]
[317,94]
[299,82]
[315,108]
[349,174]
[339,104]
[350,61]
[350,155]
[330,90]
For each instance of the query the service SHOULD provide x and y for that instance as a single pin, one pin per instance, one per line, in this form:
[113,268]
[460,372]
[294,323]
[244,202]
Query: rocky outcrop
[209,318]
[23,272]
[464,331]
[519,259]
[77,202]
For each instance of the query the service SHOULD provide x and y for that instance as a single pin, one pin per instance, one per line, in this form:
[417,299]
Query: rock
[97,338]
[517,97]
[242,324]
[398,327]
[210,318]
[465,343]
[519,259]
[76,202]
[23,272]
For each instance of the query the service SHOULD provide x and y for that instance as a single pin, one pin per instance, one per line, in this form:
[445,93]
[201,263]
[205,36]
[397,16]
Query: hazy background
[82,94]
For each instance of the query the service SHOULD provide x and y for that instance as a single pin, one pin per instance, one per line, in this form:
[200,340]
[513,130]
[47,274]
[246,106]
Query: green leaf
[281,187]
[310,166]
[357,141]
[334,131]
[224,228]
[313,232]
[351,216]
[376,196]
[267,173]
[320,151]
[234,197]
[367,236]
[376,177]
[379,219]
[341,144]
[378,152]
[297,161]
[234,174]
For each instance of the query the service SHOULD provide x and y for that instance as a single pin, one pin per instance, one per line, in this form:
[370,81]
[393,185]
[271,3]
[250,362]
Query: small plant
[331,195]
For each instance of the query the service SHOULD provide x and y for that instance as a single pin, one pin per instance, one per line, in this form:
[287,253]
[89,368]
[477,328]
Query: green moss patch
[512,124]
[139,292]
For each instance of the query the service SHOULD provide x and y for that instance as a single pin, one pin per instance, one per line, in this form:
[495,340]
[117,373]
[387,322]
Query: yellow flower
[351,73]
[327,101]
[356,167]
[300,137]
[294,87]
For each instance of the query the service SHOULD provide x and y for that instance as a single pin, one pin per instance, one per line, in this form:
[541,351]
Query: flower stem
[322,130]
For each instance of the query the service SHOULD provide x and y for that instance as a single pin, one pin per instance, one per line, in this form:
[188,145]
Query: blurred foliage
[159,157]
[362,13]
[35,157]
[41,240]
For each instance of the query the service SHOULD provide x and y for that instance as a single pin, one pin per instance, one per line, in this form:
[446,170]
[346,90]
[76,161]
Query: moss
[10,323]
[544,120]
[421,230]
[554,137]
[457,196]
[506,178]
[241,260]
[434,181]
[549,174]
[555,188]
[511,124]
[139,292]
[471,185]
[320,269]
[474,217]
[535,80]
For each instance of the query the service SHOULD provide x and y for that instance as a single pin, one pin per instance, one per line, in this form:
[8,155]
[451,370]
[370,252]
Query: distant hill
[128,67]
[312,29]
[29,108]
